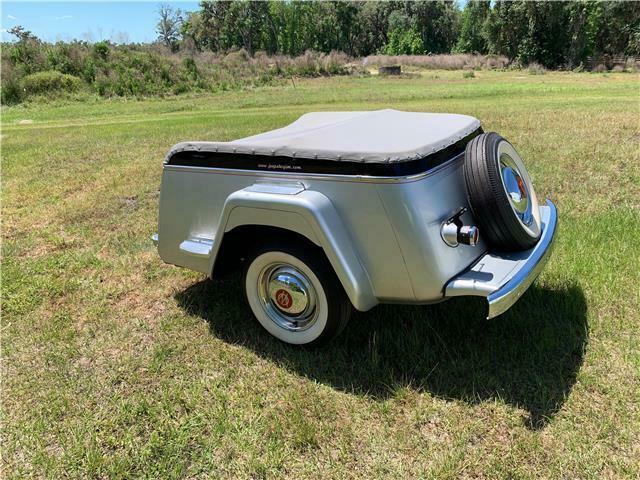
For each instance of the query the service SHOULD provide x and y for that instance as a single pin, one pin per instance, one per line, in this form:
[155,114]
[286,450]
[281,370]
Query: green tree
[506,27]
[192,32]
[214,25]
[614,28]
[563,34]
[347,26]
[22,34]
[300,26]
[373,18]
[529,31]
[436,22]
[546,35]
[249,20]
[27,53]
[551,33]
[473,37]
[169,26]
[404,42]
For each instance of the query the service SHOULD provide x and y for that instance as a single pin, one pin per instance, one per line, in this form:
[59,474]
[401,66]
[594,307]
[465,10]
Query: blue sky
[119,21]
[87,20]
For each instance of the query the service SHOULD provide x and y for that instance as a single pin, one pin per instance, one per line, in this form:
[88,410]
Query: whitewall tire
[501,193]
[295,295]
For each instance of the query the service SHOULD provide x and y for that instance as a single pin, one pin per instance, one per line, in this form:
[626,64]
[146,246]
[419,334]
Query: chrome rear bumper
[503,277]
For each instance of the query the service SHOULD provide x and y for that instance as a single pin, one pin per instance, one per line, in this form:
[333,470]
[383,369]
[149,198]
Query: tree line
[232,44]
[554,34]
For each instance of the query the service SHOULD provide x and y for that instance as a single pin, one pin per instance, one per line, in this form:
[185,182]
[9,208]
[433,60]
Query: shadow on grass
[528,357]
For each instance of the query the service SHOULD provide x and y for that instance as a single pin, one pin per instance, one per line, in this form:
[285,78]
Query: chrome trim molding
[317,176]
[276,187]
[197,246]
[503,278]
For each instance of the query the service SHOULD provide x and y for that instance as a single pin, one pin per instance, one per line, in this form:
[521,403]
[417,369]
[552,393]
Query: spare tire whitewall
[519,188]
[501,193]
[295,295]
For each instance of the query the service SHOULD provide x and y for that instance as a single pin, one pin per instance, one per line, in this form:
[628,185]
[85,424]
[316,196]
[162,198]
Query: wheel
[295,294]
[501,194]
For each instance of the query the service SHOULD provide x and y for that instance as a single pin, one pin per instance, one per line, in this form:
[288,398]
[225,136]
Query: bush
[101,51]
[632,65]
[190,68]
[89,70]
[49,82]
[66,58]
[11,91]
[306,65]
[335,63]
[468,74]
[28,55]
[38,68]
[536,69]
[404,42]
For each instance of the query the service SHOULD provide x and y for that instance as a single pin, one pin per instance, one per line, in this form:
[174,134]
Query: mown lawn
[115,365]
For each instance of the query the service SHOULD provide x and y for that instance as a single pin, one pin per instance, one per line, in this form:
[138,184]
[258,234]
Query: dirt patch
[129,203]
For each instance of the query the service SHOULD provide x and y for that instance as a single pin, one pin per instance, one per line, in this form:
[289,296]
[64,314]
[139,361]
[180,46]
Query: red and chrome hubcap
[288,297]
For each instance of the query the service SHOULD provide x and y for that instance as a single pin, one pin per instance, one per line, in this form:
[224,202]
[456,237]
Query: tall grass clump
[460,61]
[536,69]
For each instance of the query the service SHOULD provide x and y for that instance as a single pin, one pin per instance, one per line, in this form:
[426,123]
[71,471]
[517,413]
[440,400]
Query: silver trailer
[353,209]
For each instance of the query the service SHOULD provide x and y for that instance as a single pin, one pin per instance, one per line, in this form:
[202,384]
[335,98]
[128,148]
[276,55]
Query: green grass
[115,365]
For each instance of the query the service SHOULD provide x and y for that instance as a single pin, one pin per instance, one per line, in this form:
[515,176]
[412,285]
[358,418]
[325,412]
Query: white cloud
[11,17]
[63,17]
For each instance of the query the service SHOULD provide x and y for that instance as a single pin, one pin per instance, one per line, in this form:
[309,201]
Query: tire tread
[487,197]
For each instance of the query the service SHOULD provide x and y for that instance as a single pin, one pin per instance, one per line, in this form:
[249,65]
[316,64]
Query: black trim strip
[246,161]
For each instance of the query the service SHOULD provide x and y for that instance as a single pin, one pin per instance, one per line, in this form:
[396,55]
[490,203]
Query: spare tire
[501,195]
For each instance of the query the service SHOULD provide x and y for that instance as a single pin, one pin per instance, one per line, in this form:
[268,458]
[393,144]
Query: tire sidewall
[500,225]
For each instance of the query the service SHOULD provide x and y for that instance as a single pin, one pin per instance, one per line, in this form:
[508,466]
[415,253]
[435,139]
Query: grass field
[115,365]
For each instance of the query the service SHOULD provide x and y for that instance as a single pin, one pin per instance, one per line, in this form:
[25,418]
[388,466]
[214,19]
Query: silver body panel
[381,234]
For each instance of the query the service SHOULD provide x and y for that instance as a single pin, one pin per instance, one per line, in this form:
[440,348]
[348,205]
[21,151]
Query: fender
[310,213]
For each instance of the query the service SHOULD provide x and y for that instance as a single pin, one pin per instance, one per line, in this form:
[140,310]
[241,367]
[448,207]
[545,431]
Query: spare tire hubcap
[516,188]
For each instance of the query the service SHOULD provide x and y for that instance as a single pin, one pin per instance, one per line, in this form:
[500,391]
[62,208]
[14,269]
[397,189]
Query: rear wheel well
[238,242]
